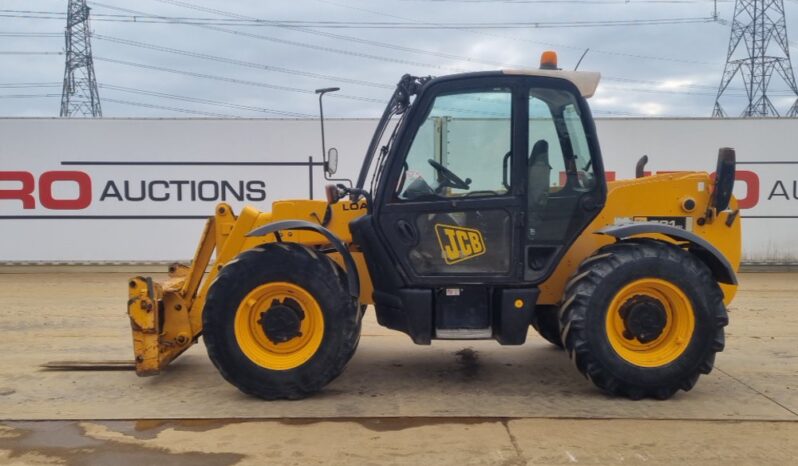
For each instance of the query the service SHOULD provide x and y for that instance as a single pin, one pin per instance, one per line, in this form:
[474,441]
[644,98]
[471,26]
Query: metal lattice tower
[759,39]
[79,96]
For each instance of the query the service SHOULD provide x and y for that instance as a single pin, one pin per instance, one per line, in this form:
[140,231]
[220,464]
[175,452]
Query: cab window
[462,149]
[559,154]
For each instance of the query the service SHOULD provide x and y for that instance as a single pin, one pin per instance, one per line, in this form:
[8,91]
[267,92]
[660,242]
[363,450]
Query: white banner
[139,189]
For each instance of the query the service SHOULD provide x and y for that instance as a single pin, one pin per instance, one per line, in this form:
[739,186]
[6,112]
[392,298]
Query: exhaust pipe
[724,180]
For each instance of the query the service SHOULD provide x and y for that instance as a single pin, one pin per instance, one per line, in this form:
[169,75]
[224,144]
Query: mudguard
[709,254]
[351,270]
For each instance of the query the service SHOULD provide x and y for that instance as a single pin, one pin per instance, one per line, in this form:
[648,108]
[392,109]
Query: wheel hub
[644,318]
[282,321]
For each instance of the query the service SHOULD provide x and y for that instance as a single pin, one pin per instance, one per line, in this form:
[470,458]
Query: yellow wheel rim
[676,332]
[252,338]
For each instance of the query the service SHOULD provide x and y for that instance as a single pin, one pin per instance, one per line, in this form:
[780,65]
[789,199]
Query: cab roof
[585,81]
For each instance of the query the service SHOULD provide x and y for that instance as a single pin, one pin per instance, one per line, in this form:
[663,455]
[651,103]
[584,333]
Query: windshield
[400,102]
[383,140]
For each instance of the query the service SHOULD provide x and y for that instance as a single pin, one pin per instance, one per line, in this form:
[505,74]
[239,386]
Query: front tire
[279,322]
[547,324]
[643,318]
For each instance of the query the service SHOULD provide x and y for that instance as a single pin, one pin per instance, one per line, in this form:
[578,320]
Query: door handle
[588,203]
[506,159]
[407,232]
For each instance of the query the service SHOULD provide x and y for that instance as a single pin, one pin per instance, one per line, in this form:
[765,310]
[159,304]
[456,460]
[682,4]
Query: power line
[235,80]
[27,85]
[369,83]
[322,76]
[392,46]
[28,96]
[205,101]
[172,109]
[326,34]
[31,34]
[285,41]
[310,74]
[239,16]
[303,73]
[242,63]
[368,24]
[331,35]
[683,92]
[368,99]
[297,43]
[25,52]
[581,2]
[664,83]
[519,39]
[235,15]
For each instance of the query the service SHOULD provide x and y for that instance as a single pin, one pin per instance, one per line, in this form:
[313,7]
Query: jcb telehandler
[481,208]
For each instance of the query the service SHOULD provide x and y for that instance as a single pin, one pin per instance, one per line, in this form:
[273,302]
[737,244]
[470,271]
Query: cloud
[650,108]
[647,69]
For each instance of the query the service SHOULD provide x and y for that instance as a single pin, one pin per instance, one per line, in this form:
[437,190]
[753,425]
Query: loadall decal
[458,243]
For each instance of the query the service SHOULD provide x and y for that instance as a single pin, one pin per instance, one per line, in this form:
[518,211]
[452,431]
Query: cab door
[453,204]
[491,180]
[564,182]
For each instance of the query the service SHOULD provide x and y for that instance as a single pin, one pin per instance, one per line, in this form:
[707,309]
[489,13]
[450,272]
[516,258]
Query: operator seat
[538,175]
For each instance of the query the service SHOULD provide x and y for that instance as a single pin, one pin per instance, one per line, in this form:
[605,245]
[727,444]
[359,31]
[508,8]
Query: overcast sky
[652,70]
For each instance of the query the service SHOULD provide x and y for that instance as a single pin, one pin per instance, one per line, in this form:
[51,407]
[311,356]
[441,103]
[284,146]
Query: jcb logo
[458,243]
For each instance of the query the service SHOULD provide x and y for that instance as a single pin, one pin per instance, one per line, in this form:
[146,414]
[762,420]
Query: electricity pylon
[759,43]
[79,96]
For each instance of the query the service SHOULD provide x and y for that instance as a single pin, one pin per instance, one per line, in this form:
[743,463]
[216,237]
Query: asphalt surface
[396,403]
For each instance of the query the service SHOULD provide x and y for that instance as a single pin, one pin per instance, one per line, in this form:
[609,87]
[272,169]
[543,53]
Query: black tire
[587,300]
[547,324]
[298,265]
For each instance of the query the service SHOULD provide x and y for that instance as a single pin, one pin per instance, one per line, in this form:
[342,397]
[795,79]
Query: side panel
[655,198]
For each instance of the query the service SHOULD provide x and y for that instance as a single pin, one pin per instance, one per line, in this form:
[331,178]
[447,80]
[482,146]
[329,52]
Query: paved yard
[453,402]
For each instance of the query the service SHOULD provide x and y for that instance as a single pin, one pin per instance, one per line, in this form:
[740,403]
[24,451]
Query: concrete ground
[396,403]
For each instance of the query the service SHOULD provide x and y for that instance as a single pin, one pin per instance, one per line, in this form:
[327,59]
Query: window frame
[387,196]
[566,145]
[384,196]
[440,126]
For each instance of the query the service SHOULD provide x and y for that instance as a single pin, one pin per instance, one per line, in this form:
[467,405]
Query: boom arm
[162,317]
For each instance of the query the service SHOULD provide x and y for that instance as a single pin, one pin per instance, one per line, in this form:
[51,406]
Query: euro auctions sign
[123,190]
[139,190]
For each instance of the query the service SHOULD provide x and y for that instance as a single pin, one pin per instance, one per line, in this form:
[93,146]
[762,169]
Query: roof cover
[585,81]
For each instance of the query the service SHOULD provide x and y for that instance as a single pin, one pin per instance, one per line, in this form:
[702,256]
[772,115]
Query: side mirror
[331,165]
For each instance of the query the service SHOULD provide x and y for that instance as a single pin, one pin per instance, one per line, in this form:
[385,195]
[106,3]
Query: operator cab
[484,181]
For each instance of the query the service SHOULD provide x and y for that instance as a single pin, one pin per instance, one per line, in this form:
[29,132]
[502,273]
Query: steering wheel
[449,178]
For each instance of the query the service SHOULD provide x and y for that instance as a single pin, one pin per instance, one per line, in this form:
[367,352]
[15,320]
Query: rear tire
[312,330]
[643,318]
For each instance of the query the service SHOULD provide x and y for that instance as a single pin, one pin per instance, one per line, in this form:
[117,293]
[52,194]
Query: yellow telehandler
[481,208]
